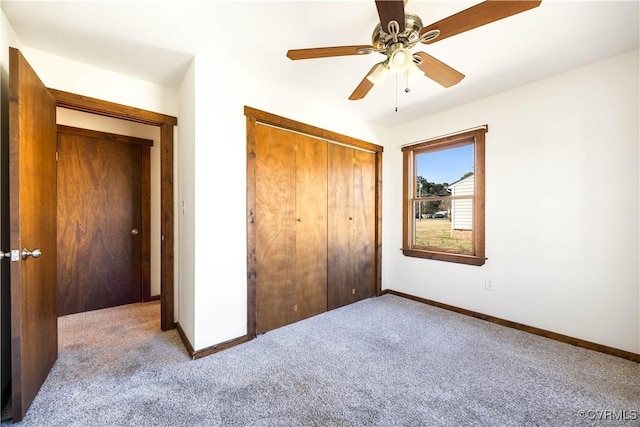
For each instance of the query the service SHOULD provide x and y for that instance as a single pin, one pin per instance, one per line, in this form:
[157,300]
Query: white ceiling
[155,41]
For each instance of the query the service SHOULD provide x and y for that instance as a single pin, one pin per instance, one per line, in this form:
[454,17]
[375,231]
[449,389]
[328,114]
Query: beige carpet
[384,361]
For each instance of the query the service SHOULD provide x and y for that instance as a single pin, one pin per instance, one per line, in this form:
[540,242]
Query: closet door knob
[26,253]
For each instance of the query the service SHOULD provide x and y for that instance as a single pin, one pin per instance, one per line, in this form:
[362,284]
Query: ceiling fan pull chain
[396,93]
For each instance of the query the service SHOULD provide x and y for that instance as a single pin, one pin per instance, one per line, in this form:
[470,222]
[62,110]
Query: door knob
[26,253]
[4,255]
[135,232]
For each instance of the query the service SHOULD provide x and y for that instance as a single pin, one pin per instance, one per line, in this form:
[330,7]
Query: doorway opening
[165,124]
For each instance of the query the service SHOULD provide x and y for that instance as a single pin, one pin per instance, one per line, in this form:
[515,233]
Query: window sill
[443,256]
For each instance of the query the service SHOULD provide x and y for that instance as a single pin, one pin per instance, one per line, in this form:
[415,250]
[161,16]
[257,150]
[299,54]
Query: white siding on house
[462,210]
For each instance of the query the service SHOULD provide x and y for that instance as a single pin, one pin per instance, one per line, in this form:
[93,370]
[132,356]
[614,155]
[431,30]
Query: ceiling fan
[398,32]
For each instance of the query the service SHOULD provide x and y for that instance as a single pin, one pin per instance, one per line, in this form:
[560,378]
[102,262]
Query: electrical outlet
[488,285]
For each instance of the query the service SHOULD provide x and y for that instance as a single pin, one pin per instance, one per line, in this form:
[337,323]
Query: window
[443,202]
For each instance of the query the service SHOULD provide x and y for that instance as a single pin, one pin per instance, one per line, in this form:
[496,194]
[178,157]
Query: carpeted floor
[385,361]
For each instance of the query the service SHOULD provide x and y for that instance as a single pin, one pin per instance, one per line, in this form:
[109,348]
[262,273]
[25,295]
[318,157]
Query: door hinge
[56,156]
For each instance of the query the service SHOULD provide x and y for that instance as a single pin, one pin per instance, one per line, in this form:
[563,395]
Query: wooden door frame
[166,124]
[254,116]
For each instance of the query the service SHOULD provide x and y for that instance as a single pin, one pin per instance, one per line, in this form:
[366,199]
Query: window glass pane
[445,224]
[432,209]
[437,170]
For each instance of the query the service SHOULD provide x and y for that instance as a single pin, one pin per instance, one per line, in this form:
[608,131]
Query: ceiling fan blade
[438,71]
[325,52]
[477,16]
[391,10]
[364,87]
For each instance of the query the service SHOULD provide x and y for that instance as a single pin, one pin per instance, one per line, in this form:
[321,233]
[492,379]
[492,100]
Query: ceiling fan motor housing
[382,40]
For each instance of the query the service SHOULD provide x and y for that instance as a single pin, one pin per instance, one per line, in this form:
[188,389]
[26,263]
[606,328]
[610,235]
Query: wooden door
[291,227]
[311,227]
[103,255]
[340,232]
[32,197]
[351,236]
[275,229]
[364,224]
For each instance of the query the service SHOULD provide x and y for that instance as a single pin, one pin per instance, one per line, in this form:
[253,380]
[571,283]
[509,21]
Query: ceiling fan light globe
[413,74]
[401,60]
[398,58]
[378,76]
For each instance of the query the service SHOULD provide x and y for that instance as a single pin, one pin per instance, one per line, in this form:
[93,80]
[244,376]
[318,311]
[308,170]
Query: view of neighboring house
[462,209]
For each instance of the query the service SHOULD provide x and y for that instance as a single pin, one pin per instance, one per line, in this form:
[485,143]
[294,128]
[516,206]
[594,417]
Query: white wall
[72,76]
[562,206]
[185,300]
[220,256]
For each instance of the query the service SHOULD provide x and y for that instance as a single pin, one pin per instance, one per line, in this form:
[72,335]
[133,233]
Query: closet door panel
[311,226]
[275,232]
[340,280]
[364,223]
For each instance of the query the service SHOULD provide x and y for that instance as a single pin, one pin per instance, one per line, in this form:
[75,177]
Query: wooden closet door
[275,232]
[311,227]
[364,223]
[340,274]
[351,233]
